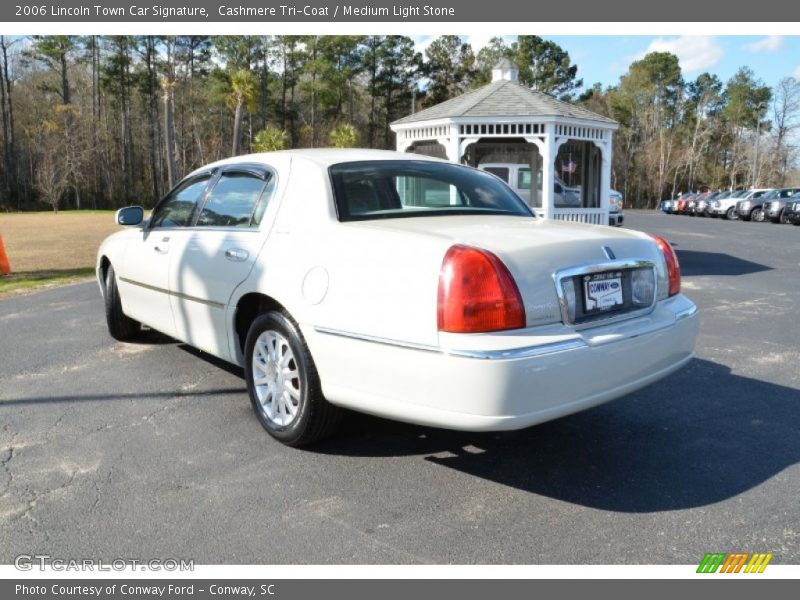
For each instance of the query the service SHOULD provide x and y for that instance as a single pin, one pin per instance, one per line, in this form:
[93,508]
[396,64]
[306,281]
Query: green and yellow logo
[735,562]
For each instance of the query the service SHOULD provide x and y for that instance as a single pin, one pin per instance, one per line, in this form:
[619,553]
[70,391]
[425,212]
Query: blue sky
[605,58]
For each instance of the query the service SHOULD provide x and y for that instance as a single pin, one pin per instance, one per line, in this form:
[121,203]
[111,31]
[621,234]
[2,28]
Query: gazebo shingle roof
[504,99]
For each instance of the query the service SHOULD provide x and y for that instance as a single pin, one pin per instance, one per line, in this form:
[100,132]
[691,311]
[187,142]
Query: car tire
[730,214]
[783,218]
[120,326]
[758,215]
[284,385]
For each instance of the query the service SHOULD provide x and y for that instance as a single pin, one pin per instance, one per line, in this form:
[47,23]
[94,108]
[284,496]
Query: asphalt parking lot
[151,450]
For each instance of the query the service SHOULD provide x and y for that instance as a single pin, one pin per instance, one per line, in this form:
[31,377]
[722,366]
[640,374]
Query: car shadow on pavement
[165,395]
[213,360]
[694,263]
[698,437]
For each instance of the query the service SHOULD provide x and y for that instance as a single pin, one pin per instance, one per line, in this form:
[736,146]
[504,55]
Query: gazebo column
[605,171]
[548,176]
[453,145]
[549,150]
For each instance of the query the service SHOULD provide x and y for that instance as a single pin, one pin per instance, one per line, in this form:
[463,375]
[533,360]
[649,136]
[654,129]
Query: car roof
[324,157]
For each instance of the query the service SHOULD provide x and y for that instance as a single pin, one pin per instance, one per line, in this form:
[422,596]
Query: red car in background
[683,200]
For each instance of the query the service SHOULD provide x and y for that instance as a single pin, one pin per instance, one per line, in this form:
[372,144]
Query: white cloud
[479,42]
[421,42]
[796,73]
[771,43]
[694,52]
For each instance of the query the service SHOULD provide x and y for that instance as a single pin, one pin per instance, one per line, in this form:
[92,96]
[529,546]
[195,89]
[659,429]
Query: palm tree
[344,135]
[243,92]
[270,139]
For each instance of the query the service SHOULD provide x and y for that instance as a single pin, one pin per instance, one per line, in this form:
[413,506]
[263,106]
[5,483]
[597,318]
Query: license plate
[602,291]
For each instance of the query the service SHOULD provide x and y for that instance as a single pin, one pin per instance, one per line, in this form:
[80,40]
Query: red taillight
[477,293]
[673,268]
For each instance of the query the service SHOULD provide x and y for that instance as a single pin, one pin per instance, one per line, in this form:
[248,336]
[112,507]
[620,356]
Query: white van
[518,177]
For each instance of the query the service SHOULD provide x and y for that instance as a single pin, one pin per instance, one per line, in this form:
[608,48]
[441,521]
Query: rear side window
[409,188]
[178,208]
[524,179]
[233,202]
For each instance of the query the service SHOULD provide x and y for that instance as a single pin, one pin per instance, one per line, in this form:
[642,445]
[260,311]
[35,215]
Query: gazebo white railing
[594,216]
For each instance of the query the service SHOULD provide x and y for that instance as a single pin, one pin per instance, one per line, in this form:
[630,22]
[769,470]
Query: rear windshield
[407,188]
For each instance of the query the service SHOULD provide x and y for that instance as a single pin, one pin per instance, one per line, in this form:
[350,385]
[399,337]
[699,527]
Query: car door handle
[236,254]
[163,247]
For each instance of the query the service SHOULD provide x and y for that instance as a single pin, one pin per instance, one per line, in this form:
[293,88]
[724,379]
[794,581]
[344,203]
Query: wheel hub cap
[276,378]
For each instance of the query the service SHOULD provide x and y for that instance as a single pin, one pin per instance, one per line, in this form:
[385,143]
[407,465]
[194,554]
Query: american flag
[569,167]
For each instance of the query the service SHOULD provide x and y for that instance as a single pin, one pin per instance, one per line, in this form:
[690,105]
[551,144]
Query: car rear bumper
[547,373]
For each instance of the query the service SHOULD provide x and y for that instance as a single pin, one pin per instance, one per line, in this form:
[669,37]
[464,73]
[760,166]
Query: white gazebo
[507,123]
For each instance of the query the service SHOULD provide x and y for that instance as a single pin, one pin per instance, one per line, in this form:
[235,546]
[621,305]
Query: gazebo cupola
[556,154]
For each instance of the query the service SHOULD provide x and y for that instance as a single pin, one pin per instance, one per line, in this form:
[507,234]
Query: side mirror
[130,215]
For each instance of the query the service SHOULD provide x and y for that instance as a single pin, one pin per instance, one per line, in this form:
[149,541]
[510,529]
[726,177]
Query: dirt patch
[54,242]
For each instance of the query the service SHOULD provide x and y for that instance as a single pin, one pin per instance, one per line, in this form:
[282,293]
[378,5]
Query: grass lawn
[47,249]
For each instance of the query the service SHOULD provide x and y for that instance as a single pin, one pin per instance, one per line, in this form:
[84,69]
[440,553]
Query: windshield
[773,194]
[407,188]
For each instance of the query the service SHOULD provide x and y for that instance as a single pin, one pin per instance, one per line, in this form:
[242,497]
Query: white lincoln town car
[397,285]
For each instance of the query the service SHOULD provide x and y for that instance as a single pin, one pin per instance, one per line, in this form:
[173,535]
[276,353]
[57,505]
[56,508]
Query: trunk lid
[532,249]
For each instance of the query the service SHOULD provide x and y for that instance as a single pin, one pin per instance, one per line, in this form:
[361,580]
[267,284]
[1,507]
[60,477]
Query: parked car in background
[615,205]
[792,211]
[666,206]
[750,206]
[724,205]
[703,205]
[774,206]
[681,203]
[518,177]
[350,279]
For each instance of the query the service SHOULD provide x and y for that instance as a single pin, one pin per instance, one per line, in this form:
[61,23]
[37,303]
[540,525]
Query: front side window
[392,189]
[177,209]
[233,202]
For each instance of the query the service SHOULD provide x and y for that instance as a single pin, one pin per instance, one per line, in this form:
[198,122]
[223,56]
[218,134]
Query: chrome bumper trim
[686,313]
